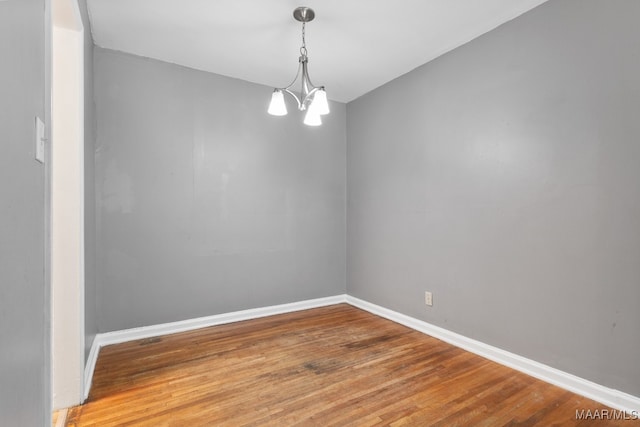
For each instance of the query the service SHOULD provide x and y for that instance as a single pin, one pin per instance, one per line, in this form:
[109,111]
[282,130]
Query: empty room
[356,213]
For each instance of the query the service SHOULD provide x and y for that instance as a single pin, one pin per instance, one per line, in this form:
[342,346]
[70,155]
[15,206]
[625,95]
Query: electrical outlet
[428,298]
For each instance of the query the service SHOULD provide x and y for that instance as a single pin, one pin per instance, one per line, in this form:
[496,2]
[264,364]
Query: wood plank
[331,366]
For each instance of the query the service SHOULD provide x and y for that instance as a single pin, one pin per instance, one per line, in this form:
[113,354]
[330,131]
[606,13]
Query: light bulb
[277,107]
[320,104]
[312,118]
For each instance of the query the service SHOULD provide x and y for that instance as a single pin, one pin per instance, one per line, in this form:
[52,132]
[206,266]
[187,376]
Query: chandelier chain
[303,48]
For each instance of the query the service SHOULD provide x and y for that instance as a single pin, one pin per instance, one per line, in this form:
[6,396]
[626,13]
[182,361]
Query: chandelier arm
[307,86]
[310,94]
[287,88]
[300,104]
[307,90]
[306,83]
[295,79]
[305,76]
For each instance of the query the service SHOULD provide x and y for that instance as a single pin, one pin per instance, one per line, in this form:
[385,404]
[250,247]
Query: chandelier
[312,99]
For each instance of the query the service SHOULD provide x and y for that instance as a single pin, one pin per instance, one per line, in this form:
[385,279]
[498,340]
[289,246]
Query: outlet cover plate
[428,298]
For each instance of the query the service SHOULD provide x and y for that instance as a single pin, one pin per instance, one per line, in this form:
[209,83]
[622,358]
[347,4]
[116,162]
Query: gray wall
[206,204]
[90,315]
[504,177]
[25,396]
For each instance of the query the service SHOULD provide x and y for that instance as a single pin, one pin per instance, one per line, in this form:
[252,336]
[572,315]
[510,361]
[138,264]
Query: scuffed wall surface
[503,177]
[206,204]
[24,297]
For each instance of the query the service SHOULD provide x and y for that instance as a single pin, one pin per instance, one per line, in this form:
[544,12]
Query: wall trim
[117,337]
[90,367]
[614,398]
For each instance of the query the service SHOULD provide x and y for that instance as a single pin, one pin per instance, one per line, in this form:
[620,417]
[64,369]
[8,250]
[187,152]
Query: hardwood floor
[58,418]
[332,366]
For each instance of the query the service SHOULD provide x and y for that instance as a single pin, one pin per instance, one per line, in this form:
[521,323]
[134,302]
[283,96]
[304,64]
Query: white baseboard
[607,396]
[90,367]
[125,335]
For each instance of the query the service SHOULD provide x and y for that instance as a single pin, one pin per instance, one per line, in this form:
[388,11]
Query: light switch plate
[40,140]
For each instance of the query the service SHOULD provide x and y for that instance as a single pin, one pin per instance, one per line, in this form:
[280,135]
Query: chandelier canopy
[312,99]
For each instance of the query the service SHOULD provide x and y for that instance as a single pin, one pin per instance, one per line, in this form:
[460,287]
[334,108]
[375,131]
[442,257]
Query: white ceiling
[354,45]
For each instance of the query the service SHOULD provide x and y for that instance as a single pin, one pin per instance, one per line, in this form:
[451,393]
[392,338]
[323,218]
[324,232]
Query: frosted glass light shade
[312,118]
[320,104]
[277,107]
